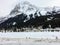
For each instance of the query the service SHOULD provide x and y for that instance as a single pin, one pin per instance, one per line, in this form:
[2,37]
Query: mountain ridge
[27,15]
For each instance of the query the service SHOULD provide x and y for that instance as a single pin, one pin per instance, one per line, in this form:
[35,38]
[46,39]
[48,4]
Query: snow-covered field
[51,35]
[22,41]
[30,38]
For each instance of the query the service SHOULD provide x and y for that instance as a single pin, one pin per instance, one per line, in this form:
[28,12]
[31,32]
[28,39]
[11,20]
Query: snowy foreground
[30,38]
[11,41]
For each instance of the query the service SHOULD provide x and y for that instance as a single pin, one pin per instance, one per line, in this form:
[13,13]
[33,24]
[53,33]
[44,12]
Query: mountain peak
[23,7]
[25,2]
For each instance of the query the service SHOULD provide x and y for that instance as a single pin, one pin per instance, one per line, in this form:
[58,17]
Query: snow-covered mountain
[25,13]
[22,7]
[28,9]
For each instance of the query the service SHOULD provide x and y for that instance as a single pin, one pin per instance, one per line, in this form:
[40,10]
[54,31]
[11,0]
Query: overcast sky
[7,5]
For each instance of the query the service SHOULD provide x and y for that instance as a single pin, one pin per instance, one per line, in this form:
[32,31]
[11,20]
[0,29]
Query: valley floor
[22,41]
[30,38]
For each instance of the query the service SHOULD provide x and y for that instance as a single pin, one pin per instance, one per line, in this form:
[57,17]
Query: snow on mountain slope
[28,9]
[24,7]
